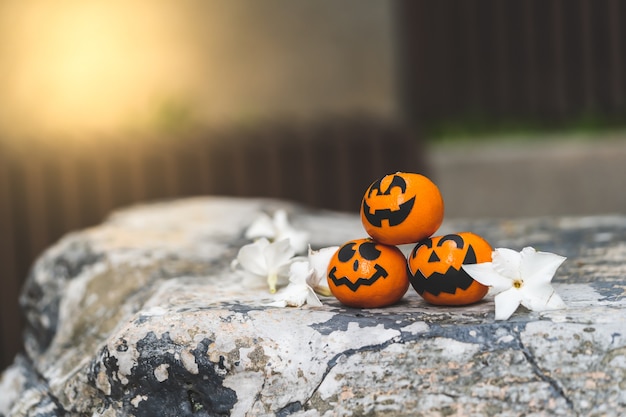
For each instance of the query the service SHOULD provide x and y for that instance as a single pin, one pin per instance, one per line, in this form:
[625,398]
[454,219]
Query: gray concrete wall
[556,175]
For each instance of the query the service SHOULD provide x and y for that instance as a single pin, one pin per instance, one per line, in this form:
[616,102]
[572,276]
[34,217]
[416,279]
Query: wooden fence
[550,62]
[50,190]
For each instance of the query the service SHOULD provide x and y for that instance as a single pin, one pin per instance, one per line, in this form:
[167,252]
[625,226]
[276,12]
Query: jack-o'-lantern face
[401,208]
[366,274]
[435,268]
[387,202]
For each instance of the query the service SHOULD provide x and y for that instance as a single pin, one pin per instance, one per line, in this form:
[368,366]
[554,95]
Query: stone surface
[144,316]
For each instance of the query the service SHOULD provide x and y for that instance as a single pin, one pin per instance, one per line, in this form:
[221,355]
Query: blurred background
[514,108]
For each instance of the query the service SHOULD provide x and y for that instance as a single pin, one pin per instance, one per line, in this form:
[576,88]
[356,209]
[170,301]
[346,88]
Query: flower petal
[486,275]
[319,260]
[506,303]
[299,272]
[539,267]
[555,302]
[323,289]
[298,239]
[312,298]
[261,227]
[506,262]
[280,220]
[278,254]
[283,230]
[277,303]
[251,257]
[294,295]
[541,298]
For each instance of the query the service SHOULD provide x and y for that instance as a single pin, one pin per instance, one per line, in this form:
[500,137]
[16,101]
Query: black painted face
[435,275]
[351,255]
[374,215]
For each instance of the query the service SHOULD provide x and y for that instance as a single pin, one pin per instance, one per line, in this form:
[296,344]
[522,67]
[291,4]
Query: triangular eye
[470,257]
[346,252]
[434,257]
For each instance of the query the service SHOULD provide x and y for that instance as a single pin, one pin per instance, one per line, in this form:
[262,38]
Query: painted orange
[367,274]
[435,268]
[402,208]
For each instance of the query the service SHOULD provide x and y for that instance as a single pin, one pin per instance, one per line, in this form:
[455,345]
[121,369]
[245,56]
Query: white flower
[298,291]
[278,228]
[307,279]
[268,260]
[519,278]
[318,261]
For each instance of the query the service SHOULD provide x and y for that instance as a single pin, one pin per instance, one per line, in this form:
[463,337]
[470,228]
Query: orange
[402,208]
[435,268]
[366,274]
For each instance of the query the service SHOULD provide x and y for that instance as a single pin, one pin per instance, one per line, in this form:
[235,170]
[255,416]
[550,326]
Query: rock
[143,315]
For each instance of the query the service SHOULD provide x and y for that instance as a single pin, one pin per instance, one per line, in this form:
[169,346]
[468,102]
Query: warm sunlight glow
[79,67]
